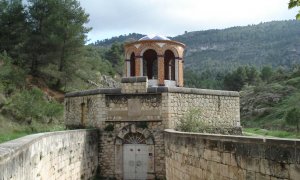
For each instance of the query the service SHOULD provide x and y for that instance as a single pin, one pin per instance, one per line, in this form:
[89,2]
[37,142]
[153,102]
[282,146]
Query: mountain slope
[274,43]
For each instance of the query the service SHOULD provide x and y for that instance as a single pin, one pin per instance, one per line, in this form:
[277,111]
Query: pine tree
[57,37]
[13,31]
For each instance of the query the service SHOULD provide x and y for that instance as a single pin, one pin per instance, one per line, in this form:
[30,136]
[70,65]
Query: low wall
[207,156]
[218,109]
[56,155]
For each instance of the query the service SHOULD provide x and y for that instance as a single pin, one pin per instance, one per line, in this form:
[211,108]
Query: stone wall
[56,155]
[85,111]
[111,154]
[218,109]
[154,108]
[207,156]
[133,85]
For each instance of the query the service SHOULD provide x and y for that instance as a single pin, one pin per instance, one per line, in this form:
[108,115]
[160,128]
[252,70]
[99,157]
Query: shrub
[293,117]
[192,122]
[11,77]
[31,105]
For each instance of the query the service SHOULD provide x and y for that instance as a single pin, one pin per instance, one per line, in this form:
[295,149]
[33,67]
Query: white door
[135,161]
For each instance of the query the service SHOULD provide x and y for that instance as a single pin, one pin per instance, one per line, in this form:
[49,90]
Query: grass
[10,130]
[270,133]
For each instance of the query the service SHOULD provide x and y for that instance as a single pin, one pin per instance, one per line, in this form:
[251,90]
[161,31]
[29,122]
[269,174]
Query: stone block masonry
[207,156]
[140,108]
[56,155]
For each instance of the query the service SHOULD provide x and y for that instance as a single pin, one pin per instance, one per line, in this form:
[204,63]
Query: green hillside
[273,43]
[265,106]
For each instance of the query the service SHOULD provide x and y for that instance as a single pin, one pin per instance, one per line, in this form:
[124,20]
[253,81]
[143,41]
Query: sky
[110,18]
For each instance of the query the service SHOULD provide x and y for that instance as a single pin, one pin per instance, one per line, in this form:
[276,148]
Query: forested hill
[118,39]
[274,43]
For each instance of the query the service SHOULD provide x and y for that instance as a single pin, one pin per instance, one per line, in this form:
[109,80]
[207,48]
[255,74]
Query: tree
[266,73]
[252,75]
[293,117]
[57,36]
[295,3]
[115,56]
[13,31]
[236,80]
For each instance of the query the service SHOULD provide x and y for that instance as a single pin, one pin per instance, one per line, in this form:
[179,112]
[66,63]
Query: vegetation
[293,117]
[42,56]
[295,3]
[269,133]
[191,122]
[272,104]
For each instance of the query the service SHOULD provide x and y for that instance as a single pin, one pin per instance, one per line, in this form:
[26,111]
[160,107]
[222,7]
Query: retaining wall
[207,156]
[56,155]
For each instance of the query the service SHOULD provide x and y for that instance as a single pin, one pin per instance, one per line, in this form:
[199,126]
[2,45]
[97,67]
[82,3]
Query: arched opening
[134,138]
[169,62]
[150,64]
[132,64]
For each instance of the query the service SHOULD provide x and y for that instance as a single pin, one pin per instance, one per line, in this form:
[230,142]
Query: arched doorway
[135,156]
[150,64]
[134,152]
[169,63]
[132,64]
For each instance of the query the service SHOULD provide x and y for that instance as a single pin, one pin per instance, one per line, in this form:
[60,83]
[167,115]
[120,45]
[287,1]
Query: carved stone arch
[132,129]
[171,48]
[145,46]
[129,51]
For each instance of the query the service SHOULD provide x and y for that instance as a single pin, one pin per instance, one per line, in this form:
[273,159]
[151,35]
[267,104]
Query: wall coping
[157,90]
[134,79]
[7,149]
[235,138]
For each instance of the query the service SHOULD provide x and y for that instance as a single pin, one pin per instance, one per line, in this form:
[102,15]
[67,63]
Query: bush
[29,105]
[192,122]
[293,117]
[11,77]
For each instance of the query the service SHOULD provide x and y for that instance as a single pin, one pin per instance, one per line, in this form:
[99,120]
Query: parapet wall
[56,155]
[217,110]
[208,156]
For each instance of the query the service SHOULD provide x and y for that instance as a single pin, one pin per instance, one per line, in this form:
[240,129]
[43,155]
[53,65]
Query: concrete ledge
[134,79]
[235,138]
[158,89]
[161,89]
[94,92]
[7,149]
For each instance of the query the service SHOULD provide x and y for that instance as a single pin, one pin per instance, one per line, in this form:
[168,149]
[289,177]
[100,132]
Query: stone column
[180,72]
[138,63]
[128,70]
[161,70]
[176,71]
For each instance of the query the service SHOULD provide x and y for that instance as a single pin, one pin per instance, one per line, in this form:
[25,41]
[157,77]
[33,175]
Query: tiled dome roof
[154,37]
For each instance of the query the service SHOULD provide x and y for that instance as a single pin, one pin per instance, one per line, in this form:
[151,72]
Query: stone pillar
[138,63]
[128,70]
[180,72]
[161,70]
[176,71]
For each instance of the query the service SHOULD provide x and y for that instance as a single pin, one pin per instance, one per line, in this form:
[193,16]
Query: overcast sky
[110,18]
